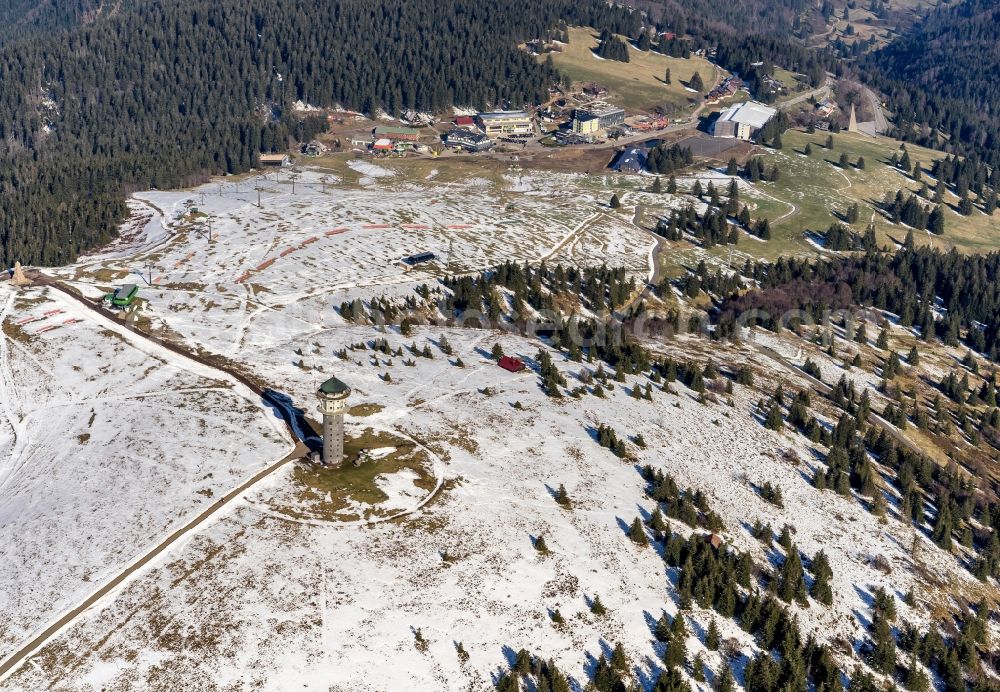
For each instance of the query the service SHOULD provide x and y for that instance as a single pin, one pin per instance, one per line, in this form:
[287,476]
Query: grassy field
[811,194]
[349,492]
[820,192]
[821,189]
[637,84]
[866,24]
[814,192]
[788,79]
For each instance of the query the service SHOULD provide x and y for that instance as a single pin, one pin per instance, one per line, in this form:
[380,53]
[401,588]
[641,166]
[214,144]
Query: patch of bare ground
[355,491]
[364,410]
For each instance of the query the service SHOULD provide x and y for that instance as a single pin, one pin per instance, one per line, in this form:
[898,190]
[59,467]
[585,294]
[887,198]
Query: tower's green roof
[334,386]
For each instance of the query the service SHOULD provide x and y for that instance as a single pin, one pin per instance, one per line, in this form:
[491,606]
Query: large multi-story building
[503,123]
[586,125]
[597,116]
[742,120]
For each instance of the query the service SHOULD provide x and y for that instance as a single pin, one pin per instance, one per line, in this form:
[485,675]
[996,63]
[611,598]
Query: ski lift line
[179,263]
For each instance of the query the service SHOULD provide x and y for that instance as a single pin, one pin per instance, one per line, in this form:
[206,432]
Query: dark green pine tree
[941,534]
[822,573]
[965,205]
[637,532]
[662,629]
[791,581]
[935,222]
[712,637]
[726,681]
[882,656]
[562,497]
[773,420]
[619,661]
[883,339]
[916,680]
[676,652]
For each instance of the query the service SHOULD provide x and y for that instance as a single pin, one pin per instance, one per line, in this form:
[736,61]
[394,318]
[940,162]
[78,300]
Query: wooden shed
[510,363]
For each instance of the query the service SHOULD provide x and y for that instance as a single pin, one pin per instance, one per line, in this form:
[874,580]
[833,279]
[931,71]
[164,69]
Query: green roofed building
[123,295]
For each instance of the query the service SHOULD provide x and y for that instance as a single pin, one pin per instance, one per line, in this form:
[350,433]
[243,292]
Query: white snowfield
[261,600]
[295,258]
[109,443]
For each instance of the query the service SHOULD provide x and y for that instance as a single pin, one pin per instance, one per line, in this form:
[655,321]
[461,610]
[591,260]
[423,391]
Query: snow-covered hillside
[109,443]
[269,596]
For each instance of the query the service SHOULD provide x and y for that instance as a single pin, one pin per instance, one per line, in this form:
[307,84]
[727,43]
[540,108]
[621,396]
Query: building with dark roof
[631,160]
[468,140]
[335,387]
[414,260]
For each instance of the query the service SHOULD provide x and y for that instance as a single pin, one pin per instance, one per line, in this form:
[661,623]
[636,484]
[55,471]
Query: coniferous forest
[23,18]
[940,77]
[164,94]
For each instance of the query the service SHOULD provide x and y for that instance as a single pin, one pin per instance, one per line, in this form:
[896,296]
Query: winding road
[881,123]
[823,90]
